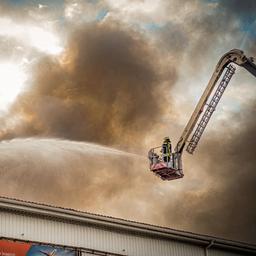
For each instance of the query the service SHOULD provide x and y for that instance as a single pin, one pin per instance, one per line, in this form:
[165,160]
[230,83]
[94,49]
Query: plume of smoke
[225,169]
[104,89]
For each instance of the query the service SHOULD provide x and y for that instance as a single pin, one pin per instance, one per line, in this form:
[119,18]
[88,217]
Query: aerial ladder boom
[173,169]
[233,56]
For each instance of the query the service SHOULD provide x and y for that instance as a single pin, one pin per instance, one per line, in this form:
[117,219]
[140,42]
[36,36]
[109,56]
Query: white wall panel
[222,253]
[56,232]
[45,230]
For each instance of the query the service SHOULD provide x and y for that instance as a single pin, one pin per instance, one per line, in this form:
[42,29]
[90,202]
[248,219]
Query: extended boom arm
[234,56]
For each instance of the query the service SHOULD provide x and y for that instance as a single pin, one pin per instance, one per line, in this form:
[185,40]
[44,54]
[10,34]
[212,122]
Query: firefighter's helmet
[167,139]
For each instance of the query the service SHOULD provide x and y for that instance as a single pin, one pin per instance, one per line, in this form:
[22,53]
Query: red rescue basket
[166,170]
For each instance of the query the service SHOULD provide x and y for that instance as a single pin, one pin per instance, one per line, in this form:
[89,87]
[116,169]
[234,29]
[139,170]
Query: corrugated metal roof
[65,214]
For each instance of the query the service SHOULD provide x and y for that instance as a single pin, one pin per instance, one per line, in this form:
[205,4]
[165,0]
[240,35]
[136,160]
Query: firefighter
[166,150]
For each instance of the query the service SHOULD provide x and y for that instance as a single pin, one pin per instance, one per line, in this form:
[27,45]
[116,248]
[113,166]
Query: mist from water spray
[67,173]
[52,145]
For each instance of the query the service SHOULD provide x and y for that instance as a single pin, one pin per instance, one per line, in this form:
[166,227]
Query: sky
[83,82]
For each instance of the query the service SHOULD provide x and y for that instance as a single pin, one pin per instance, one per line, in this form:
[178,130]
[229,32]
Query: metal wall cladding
[223,253]
[46,230]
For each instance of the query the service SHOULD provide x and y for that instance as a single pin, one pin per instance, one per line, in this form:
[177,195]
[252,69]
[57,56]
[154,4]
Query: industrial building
[79,233]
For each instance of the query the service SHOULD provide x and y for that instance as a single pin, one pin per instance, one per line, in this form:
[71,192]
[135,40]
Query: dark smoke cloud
[227,207]
[242,12]
[214,28]
[240,8]
[105,89]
